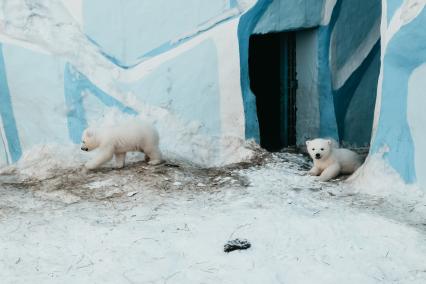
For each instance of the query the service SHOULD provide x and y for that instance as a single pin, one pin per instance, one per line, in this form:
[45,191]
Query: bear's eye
[313,149]
[322,149]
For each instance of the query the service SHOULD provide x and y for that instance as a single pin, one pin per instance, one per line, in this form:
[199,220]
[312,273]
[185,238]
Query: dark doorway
[272,71]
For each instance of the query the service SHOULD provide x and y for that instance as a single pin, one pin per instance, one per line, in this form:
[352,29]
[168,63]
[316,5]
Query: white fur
[329,160]
[133,135]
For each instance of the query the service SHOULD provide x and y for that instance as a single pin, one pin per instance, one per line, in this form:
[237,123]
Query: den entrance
[272,71]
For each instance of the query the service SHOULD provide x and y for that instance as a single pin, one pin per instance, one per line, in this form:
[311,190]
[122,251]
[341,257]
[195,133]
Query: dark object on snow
[171,165]
[236,244]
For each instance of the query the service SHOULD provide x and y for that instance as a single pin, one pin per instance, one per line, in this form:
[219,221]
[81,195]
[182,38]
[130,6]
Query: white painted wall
[307,123]
[4,157]
[417,119]
[36,86]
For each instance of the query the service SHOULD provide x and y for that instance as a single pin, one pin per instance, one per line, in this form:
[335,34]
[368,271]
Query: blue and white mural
[399,121]
[66,63]
[138,57]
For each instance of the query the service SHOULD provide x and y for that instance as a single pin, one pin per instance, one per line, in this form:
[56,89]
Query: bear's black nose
[317,155]
[84,149]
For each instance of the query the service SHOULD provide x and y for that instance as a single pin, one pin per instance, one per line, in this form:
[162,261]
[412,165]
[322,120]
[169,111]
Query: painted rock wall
[67,64]
[399,128]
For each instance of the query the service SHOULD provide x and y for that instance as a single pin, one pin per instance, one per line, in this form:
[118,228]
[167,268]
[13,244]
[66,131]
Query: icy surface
[168,224]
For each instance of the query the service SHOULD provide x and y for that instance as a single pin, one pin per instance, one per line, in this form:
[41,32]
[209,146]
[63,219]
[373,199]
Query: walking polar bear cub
[131,136]
[330,160]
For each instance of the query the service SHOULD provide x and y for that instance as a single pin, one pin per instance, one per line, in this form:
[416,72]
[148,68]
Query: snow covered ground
[168,224]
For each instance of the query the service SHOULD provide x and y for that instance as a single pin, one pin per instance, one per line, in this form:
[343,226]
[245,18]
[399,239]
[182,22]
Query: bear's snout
[317,156]
[84,148]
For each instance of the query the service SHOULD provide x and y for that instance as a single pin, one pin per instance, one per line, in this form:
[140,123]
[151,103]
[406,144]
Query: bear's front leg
[331,172]
[120,159]
[104,156]
[314,171]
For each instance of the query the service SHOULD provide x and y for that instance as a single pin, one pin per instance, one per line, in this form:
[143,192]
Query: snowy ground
[168,224]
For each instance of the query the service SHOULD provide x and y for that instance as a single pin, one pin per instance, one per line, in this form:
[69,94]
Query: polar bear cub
[117,140]
[329,160]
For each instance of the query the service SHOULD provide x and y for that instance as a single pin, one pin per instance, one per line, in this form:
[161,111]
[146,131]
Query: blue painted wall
[44,97]
[284,15]
[343,42]
[352,27]
[184,87]
[392,6]
[357,121]
[8,120]
[247,24]
[404,54]
[127,31]
[76,87]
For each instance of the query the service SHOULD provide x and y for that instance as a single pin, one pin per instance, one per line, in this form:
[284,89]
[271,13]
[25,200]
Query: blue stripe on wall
[6,112]
[328,124]
[246,26]
[392,5]
[166,46]
[393,130]
[75,83]
[343,96]
[76,117]
[233,3]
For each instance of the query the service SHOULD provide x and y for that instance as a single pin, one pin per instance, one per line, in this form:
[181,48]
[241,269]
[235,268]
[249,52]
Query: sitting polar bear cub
[134,135]
[329,160]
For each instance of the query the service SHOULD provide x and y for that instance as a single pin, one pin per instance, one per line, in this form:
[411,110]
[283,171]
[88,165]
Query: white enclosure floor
[168,224]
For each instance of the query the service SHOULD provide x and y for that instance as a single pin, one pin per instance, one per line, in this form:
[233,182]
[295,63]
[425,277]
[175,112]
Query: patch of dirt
[74,185]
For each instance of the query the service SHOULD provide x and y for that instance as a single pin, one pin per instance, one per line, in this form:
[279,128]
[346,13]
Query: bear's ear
[328,141]
[89,133]
[307,142]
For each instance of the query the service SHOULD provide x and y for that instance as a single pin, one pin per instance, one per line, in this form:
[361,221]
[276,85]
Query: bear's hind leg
[120,159]
[146,158]
[154,156]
